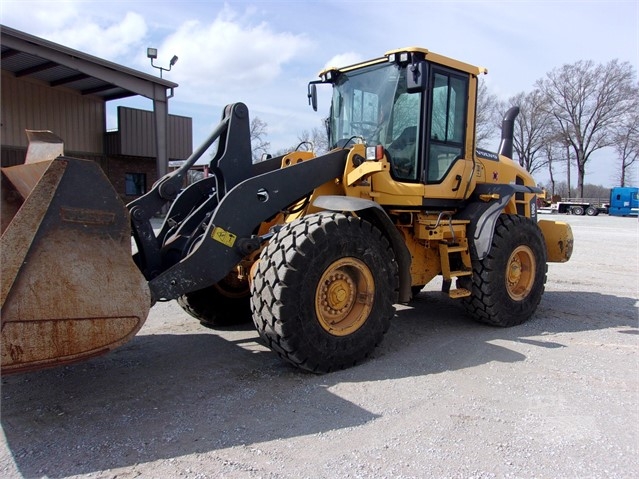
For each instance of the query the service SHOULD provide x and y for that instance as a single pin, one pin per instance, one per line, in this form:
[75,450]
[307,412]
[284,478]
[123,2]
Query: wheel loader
[315,249]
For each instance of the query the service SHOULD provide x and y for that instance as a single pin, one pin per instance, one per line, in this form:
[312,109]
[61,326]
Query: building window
[135,184]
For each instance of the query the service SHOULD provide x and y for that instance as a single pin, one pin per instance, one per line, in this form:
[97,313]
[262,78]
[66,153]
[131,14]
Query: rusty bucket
[69,287]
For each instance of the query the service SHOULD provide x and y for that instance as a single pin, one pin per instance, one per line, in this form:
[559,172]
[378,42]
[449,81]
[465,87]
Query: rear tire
[224,304]
[415,290]
[508,283]
[323,292]
[577,210]
[592,211]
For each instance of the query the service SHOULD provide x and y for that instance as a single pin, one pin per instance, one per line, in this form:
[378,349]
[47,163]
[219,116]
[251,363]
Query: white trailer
[576,207]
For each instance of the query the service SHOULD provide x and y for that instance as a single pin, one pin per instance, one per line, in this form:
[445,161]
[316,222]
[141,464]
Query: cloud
[343,60]
[38,16]
[224,54]
[109,35]
[228,56]
[114,41]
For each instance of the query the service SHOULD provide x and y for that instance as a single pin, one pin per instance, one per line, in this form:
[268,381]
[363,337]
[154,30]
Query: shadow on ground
[164,396]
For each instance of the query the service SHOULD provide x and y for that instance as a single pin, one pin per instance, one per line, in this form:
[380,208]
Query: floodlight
[152,53]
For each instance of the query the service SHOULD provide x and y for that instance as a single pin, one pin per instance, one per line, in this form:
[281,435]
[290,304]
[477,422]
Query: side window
[402,147]
[448,123]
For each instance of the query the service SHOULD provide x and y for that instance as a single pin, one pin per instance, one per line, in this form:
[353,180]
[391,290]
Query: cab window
[402,146]
[449,99]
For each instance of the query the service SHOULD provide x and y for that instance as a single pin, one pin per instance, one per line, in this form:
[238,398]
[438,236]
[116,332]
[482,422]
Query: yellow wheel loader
[316,250]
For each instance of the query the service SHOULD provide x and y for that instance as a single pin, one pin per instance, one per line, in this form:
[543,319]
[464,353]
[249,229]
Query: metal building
[47,86]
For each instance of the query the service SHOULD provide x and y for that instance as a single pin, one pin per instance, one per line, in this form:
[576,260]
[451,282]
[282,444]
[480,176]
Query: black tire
[577,210]
[592,211]
[508,283]
[415,290]
[225,304]
[324,290]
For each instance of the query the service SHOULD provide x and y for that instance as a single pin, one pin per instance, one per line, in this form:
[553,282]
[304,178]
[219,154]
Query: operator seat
[403,153]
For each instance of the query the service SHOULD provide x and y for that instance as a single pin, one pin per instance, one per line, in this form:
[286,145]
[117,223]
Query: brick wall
[117,167]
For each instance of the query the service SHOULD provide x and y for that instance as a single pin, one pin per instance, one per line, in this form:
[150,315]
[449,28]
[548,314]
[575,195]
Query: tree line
[572,112]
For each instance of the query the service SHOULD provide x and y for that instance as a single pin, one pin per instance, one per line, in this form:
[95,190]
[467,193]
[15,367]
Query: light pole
[152,53]
[568,164]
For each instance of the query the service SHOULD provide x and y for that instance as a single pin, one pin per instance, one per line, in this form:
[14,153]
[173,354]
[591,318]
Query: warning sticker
[224,237]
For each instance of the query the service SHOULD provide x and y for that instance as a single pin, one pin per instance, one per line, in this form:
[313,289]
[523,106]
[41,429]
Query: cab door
[448,153]
[429,142]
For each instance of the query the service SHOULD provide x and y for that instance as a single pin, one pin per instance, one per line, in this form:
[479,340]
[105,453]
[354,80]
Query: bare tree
[259,145]
[487,124]
[316,140]
[560,191]
[586,101]
[557,156]
[552,154]
[627,147]
[531,131]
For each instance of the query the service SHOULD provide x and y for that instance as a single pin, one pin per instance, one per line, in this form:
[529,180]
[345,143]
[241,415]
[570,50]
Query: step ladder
[462,261]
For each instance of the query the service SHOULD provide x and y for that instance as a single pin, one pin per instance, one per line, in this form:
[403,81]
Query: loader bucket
[69,287]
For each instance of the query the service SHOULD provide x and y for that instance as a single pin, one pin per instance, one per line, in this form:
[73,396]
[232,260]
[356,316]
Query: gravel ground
[443,396]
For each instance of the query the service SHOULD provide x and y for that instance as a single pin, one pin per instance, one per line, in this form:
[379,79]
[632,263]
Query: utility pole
[568,164]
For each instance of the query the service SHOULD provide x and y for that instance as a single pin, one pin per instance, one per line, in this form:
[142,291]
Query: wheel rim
[344,296]
[520,274]
[232,286]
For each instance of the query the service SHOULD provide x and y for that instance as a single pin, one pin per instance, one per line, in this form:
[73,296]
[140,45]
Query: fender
[483,214]
[374,213]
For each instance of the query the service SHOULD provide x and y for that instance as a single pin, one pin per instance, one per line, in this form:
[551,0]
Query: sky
[264,53]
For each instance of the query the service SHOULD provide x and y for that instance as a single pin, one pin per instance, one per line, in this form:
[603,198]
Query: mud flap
[69,287]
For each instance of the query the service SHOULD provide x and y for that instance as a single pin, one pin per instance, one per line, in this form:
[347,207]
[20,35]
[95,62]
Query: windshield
[371,104]
[362,100]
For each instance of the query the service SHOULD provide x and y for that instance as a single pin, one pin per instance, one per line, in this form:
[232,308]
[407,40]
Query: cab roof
[428,55]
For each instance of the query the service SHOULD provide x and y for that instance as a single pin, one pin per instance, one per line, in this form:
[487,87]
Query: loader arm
[231,164]
[229,235]
[209,226]
[166,190]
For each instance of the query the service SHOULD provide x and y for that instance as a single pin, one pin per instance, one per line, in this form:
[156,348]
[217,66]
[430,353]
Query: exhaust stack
[507,132]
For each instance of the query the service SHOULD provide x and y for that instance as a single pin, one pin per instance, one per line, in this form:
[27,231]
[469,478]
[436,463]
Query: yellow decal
[224,237]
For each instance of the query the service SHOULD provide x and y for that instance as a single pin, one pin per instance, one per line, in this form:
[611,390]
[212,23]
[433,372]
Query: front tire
[507,285]
[323,292]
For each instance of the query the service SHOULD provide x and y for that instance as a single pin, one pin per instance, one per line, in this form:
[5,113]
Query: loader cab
[421,111]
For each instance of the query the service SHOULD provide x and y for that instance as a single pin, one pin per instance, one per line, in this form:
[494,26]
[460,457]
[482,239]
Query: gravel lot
[442,397]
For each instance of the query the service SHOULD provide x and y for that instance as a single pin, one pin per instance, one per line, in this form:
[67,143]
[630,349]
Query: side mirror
[312,96]
[416,77]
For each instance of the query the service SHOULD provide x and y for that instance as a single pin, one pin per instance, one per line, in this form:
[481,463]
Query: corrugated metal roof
[25,55]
